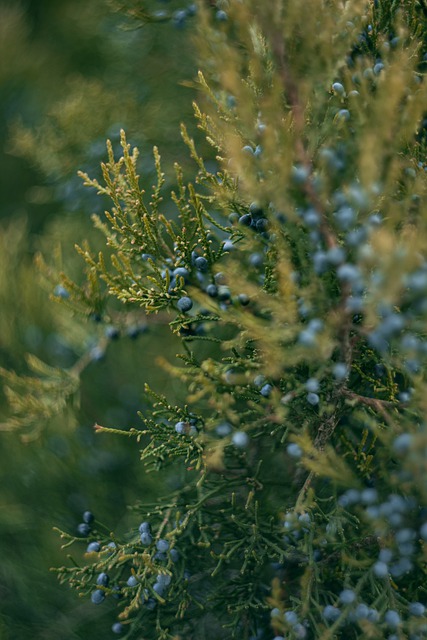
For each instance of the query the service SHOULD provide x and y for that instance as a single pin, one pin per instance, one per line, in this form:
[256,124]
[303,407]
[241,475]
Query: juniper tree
[293,276]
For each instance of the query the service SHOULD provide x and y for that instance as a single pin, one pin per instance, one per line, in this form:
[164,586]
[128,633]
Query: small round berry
[392,618]
[312,385]
[103,580]
[338,88]
[144,527]
[179,18]
[294,450]
[402,443]
[307,338]
[228,246]
[335,255]
[174,554]
[93,547]
[240,439]
[243,299]
[159,589]
[164,579]
[184,304]
[331,613]
[223,429]
[212,290]
[347,596]
[343,115]
[181,271]
[262,225]
[162,545]
[117,628]
[221,16]
[132,581]
[201,264]
[361,612]
[112,333]
[61,292]
[88,517]
[291,617]
[146,538]
[245,220]
[83,529]
[97,596]
[313,398]
[423,531]
[180,427]
[266,390]
[340,371]
[224,293]
[416,609]
[97,354]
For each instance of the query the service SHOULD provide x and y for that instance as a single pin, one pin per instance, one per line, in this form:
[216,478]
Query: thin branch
[374,403]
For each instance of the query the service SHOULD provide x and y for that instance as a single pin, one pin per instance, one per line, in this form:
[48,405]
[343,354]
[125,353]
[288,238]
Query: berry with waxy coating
[184,304]
[162,545]
[103,579]
[88,517]
[117,628]
[97,596]
[83,529]
[240,439]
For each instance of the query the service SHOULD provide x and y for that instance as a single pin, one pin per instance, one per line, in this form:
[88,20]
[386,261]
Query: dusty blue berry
[338,88]
[212,290]
[266,390]
[146,538]
[313,398]
[97,596]
[347,596]
[83,529]
[174,554]
[117,628]
[416,609]
[88,517]
[180,427]
[184,304]
[221,16]
[103,579]
[159,589]
[294,450]
[144,527]
[312,385]
[93,547]
[162,545]
[380,569]
[201,263]
[331,613]
[163,579]
[240,439]
[291,617]
[61,292]
[392,618]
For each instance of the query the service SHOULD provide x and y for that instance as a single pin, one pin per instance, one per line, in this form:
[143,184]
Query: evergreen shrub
[294,277]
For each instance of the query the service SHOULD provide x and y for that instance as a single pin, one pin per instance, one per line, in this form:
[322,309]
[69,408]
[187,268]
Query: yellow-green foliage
[294,272]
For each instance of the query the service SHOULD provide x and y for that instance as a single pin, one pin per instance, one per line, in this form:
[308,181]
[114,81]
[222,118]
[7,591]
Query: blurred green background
[72,74]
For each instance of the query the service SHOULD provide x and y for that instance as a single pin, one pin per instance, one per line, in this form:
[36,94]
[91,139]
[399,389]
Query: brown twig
[375,403]
[291,92]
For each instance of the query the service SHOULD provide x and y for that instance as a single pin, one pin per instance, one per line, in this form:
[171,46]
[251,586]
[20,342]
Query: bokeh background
[72,74]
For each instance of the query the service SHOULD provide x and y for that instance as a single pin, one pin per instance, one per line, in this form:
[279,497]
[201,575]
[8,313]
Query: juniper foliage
[294,275]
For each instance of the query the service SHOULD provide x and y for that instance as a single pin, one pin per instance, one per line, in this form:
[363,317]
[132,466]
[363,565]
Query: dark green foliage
[295,283]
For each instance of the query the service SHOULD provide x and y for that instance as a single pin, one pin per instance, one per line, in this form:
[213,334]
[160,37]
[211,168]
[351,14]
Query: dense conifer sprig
[295,276]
